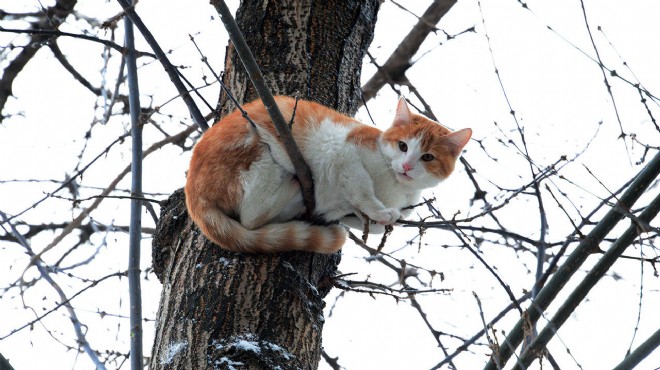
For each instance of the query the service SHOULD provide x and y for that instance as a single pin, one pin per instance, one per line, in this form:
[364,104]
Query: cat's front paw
[387,217]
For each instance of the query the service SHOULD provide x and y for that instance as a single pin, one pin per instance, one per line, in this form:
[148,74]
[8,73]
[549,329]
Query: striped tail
[230,234]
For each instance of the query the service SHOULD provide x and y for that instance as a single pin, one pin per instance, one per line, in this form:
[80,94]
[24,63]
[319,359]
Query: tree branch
[303,171]
[5,365]
[57,52]
[196,115]
[593,276]
[640,353]
[398,63]
[77,325]
[57,33]
[135,227]
[54,16]
[466,344]
[574,261]
[85,213]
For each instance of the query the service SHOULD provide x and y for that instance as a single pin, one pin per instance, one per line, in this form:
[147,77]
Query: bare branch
[640,352]
[135,227]
[602,70]
[62,303]
[85,213]
[579,255]
[61,10]
[593,276]
[73,317]
[398,63]
[71,179]
[466,344]
[42,33]
[65,63]
[5,365]
[303,172]
[196,115]
[436,334]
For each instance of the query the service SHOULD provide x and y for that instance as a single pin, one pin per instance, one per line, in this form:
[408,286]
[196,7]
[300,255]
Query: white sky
[556,91]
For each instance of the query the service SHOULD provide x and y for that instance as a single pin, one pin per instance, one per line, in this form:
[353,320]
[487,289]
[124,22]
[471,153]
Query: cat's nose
[407,167]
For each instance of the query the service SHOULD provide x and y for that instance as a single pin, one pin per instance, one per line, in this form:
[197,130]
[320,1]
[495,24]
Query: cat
[242,192]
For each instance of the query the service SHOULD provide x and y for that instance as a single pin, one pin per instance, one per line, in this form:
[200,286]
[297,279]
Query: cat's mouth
[404,176]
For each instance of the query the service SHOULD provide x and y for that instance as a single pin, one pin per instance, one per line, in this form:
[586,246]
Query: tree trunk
[220,309]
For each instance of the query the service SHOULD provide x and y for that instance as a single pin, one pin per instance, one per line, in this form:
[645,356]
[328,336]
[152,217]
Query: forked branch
[398,63]
[548,293]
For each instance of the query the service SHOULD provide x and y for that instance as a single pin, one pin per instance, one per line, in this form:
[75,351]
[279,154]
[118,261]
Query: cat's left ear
[403,115]
[456,141]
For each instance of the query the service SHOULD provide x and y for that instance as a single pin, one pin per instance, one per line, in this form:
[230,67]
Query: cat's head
[422,152]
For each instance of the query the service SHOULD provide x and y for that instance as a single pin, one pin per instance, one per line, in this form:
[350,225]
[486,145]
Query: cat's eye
[427,157]
[403,146]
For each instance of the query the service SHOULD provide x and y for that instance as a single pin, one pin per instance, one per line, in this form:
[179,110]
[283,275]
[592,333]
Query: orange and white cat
[242,191]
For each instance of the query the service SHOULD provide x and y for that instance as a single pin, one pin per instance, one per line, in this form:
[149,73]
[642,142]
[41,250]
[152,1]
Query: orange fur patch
[214,192]
[225,150]
[364,135]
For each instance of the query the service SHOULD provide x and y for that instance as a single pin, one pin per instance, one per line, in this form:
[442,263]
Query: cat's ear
[403,115]
[456,141]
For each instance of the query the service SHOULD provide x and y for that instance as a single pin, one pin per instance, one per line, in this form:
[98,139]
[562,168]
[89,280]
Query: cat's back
[320,129]
[321,133]
[307,117]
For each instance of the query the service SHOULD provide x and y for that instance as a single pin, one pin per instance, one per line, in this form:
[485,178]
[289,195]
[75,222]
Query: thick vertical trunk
[220,309]
[310,48]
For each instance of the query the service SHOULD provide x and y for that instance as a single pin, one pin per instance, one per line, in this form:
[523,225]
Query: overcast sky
[550,78]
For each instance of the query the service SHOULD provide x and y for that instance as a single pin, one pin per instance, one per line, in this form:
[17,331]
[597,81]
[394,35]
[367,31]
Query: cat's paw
[387,217]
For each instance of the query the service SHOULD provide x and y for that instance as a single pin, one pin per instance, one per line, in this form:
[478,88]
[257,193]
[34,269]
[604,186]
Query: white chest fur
[350,177]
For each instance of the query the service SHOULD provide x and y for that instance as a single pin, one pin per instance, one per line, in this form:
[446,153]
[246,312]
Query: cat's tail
[271,238]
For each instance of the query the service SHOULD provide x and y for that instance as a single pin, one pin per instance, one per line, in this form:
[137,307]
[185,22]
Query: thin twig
[56,33]
[579,255]
[71,179]
[76,222]
[593,276]
[640,353]
[135,227]
[196,115]
[396,65]
[73,317]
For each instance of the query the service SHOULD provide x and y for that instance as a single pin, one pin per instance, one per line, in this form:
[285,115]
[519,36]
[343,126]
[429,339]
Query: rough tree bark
[220,309]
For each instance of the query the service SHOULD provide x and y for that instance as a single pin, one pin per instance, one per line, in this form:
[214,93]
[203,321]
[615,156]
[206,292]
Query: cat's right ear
[403,115]
[457,140]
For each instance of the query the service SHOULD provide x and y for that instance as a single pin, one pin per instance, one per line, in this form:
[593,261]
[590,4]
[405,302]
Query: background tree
[564,118]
